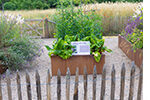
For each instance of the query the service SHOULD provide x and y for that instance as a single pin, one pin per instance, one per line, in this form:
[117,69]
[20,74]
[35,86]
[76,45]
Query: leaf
[97,56]
[47,47]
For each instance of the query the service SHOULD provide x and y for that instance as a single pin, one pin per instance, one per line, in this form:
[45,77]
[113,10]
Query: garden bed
[126,47]
[73,62]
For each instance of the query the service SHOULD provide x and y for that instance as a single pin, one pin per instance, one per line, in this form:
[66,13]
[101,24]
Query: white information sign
[81,48]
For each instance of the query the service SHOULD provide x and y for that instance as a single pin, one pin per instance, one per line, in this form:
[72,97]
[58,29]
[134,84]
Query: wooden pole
[46,32]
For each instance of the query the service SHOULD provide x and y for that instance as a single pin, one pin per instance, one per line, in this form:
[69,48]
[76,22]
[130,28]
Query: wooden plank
[32,28]
[32,20]
[48,86]
[51,21]
[85,83]
[19,86]
[75,96]
[29,94]
[94,83]
[1,96]
[59,85]
[132,74]
[9,88]
[113,83]
[103,83]
[45,29]
[140,84]
[68,84]
[122,84]
[38,86]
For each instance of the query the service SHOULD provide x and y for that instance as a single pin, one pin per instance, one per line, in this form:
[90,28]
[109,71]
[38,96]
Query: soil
[43,63]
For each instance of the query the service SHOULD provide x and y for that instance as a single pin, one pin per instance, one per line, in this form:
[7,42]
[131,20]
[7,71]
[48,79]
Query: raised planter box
[126,47]
[73,62]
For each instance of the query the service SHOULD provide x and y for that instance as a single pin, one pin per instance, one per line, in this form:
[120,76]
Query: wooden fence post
[113,83]
[85,83]
[132,74]
[19,86]
[1,97]
[59,85]
[122,84]
[9,88]
[102,97]
[140,84]
[75,96]
[68,84]
[28,86]
[45,29]
[94,83]
[38,86]
[48,88]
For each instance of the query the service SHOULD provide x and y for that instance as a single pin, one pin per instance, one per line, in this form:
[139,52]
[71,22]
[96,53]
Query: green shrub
[26,5]
[52,3]
[74,22]
[16,48]
[38,5]
[9,6]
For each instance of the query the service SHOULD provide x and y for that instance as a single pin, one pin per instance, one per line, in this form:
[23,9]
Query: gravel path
[43,63]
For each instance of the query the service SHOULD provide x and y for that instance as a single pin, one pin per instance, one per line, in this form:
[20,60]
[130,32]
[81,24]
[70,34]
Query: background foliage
[45,4]
[16,48]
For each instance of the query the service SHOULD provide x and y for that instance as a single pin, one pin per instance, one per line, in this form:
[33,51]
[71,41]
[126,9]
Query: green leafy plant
[71,21]
[96,46]
[75,25]
[61,48]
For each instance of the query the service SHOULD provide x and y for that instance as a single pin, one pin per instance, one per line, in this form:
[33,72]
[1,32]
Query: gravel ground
[43,63]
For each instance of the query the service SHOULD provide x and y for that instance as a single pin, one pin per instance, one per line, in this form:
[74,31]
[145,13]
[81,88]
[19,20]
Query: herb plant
[134,29]
[16,48]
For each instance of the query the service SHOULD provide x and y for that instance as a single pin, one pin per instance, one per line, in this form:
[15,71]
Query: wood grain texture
[113,83]
[122,84]
[29,94]
[103,84]
[1,96]
[19,87]
[75,96]
[9,88]
[132,76]
[38,86]
[94,83]
[76,61]
[68,84]
[140,84]
[126,47]
[85,83]
[48,86]
[59,85]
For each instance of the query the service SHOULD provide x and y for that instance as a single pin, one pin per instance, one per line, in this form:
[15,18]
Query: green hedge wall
[45,4]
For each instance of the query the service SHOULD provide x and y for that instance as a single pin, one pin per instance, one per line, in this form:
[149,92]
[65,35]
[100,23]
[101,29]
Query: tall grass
[114,15]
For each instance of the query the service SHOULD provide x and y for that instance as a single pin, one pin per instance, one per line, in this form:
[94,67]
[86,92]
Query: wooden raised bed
[126,47]
[73,62]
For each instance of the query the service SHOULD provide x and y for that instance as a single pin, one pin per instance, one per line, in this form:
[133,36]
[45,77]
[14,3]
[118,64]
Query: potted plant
[62,58]
[131,39]
[74,25]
